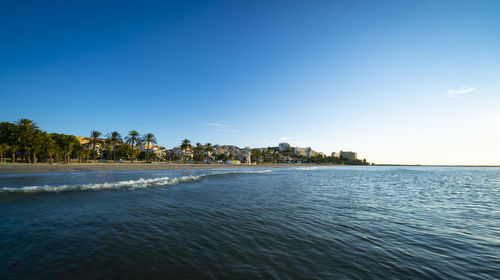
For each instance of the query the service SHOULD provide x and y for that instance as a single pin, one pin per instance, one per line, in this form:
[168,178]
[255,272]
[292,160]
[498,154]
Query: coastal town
[24,141]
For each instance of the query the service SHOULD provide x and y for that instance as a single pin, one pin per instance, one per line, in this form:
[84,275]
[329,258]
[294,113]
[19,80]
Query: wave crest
[130,184]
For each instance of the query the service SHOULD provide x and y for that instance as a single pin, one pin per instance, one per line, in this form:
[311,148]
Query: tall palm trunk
[24,156]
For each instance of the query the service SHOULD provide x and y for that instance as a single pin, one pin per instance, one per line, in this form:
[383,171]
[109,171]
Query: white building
[349,155]
[157,149]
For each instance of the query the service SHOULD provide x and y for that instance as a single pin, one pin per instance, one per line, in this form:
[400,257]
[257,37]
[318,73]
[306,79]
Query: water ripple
[352,222]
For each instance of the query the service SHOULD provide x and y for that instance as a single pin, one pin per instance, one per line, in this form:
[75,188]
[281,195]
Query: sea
[345,222]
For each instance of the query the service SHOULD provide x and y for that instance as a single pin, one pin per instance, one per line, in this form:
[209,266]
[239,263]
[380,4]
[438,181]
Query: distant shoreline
[438,165]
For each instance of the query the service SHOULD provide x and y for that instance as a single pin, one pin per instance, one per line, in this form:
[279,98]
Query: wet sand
[22,168]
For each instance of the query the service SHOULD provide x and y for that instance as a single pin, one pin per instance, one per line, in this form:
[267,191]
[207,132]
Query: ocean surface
[284,223]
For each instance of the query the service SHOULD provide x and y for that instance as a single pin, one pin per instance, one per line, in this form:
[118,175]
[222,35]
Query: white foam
[307,168]
[131,184]
[249,171]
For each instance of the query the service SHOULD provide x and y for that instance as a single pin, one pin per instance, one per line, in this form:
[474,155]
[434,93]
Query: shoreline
[25,168]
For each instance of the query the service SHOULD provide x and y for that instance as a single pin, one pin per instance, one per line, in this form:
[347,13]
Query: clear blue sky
[396,81]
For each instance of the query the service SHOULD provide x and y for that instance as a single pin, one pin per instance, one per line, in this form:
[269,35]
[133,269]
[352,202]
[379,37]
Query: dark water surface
[322,223]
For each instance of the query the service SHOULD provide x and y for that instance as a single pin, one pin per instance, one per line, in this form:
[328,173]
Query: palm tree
[52,149]
[37,141]
[6,137]
[149,138]
[13,151]
[133,138]
[107,147]
[197,151]
[94,141]
[209,149]
[25,130]
[3,148]
[185,146]
[68,144]
[114,139]
[83,153]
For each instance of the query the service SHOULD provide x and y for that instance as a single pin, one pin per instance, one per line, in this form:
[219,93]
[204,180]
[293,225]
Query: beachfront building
[335,155]
[349,155]
[157,149]
[229,151]
[186,154]
[177,153]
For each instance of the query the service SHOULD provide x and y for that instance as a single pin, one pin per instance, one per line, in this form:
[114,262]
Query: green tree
[67,144]
[149,138]
[37,144]
[8,135]
[133,138]
[257,155]
[3,149]
[6,129]
[197,151]
[25,134]
[185,146]
[94,141]
[83,154]
[51,148]
[114,139]
[208,150]
[107,151]
[13,151]
[124,150]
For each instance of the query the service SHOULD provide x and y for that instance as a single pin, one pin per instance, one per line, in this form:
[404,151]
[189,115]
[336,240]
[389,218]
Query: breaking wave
[311,168]
[130,184]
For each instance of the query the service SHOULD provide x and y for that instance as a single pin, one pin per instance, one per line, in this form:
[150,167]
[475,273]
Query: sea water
[322,223]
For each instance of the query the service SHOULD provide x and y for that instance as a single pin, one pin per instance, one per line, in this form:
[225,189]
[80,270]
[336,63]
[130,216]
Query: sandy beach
[23,168]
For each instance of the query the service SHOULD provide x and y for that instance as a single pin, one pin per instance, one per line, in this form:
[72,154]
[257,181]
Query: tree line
[273,155]
[24,141]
